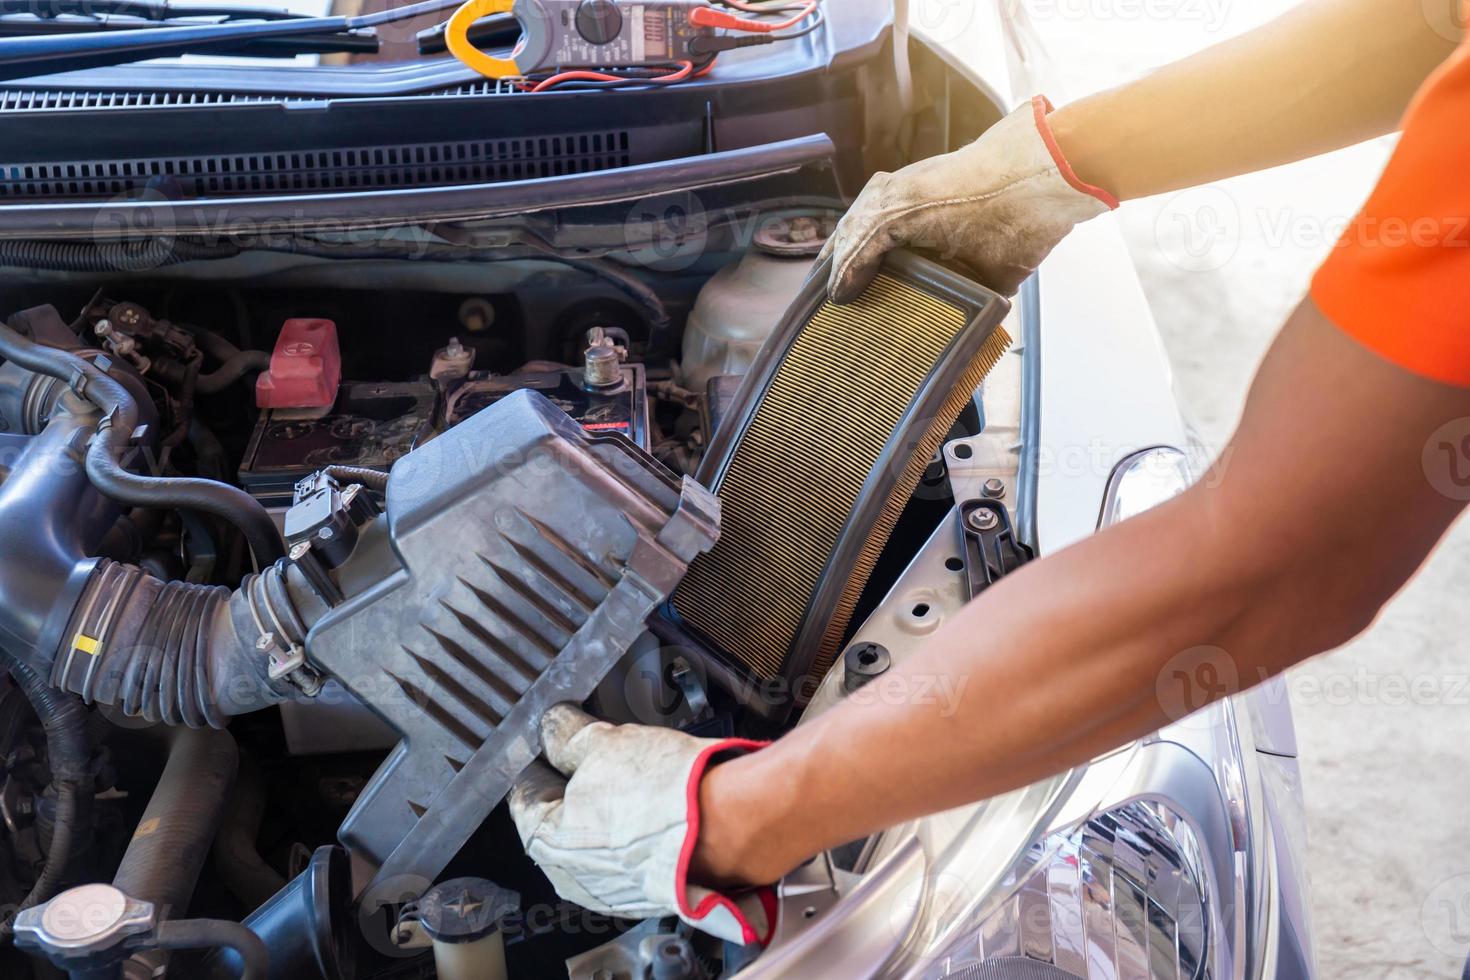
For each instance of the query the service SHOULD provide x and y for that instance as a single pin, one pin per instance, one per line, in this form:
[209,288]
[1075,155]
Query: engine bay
[293,570]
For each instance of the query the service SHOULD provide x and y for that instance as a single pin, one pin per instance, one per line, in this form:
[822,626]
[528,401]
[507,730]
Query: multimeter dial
[599,21]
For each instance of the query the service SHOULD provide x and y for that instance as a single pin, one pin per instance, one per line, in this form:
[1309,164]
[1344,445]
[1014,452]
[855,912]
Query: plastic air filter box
[826,441]
[517,558]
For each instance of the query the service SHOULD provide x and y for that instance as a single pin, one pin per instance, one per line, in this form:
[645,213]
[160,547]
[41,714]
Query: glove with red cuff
[999,205]
[614,823]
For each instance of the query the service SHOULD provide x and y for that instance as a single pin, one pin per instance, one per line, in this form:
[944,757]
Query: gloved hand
[1000,205]
[614,825]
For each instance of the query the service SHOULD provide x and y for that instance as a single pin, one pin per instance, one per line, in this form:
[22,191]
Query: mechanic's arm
[1319,511]
[1328,74]
[1325,75]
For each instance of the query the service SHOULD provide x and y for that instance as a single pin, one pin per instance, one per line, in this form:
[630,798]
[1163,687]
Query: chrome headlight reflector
[1144,480]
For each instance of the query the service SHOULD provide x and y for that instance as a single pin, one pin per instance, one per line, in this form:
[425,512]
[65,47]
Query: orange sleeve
[1399,279]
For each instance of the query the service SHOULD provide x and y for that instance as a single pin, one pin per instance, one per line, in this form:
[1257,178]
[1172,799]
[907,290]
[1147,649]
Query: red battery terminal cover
[306,367]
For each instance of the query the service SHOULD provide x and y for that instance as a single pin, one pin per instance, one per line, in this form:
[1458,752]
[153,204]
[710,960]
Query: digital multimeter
[559,34]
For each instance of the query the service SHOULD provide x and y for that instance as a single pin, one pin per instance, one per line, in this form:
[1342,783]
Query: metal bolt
[602,367]
[298,551]
[862,662]
[325,534]
[983,519]
[994,488]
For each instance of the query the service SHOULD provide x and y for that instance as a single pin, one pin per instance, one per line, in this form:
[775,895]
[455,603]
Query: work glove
[613,824]
[999,206]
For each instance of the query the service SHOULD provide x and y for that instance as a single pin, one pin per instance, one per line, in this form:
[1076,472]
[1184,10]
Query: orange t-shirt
[1399,280]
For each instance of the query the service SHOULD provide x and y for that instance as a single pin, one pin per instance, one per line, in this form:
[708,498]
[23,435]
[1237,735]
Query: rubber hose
[69,756]
[237,859]
[215,934]
[213,344]
[375,480]
[232,370]
[133,256]
[112,443]
[167,852]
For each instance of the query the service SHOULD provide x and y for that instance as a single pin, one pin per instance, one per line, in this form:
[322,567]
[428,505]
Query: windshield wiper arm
[154,10]
[353,42]
[23,57]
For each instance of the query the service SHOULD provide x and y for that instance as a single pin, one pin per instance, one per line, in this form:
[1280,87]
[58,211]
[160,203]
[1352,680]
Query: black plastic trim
[418,206]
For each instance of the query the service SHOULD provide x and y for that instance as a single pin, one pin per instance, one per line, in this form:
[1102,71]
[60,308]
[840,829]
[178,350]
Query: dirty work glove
[614,825]
[1000,205]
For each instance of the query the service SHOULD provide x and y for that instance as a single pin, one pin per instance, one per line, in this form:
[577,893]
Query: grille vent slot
[360,168]
[43,100]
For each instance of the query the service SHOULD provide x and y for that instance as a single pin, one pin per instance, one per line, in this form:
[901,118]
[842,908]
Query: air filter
[829,436]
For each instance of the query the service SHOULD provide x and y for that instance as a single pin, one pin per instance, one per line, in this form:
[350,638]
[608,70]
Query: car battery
[621,408]
[371,424]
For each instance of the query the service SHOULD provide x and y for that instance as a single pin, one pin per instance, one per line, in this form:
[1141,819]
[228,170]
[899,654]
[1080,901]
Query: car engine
[289,572]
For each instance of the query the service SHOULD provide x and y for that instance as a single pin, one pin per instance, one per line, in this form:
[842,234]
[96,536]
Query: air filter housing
[829,436]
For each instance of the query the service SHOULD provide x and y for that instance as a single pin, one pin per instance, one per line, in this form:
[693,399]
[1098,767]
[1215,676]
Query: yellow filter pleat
[797,474]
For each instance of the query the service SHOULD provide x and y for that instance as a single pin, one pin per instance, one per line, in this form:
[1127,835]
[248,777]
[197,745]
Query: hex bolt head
[862,663]
[983,519]
[994,488]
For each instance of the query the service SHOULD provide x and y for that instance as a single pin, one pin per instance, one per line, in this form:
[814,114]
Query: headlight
[1143,481]
[1118,897]
[1148,863]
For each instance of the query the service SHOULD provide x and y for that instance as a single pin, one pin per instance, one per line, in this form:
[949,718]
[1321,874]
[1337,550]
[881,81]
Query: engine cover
[517,560]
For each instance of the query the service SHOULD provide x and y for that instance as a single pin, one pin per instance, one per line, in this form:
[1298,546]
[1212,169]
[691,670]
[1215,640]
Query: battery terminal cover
[306,367]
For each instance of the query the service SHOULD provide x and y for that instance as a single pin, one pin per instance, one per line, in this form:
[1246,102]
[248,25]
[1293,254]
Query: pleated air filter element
[828,439]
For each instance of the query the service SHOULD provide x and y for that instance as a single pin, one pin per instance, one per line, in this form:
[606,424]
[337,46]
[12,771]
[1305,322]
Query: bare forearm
[1326,75]
[1278,555]
[1021,700]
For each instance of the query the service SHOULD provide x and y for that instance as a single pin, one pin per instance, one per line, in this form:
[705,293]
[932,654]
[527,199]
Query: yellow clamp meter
[558,34]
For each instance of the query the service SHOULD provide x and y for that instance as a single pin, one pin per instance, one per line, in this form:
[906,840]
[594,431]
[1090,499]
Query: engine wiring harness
[594,44]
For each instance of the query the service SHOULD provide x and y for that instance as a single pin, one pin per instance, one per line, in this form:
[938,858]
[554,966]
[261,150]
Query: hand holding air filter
[831,432]
[999,205]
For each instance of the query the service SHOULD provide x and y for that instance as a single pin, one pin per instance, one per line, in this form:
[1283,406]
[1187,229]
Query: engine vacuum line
[113,443]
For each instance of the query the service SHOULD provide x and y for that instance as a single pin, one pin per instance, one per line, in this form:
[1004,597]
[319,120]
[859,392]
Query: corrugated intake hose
[113,444]
[181,653]
[173,838]
[163,671]
[69,756]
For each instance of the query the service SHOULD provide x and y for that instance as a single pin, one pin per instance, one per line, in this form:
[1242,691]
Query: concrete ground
[1384,724]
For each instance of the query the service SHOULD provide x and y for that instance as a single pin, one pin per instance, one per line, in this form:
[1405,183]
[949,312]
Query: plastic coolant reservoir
[736,311]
